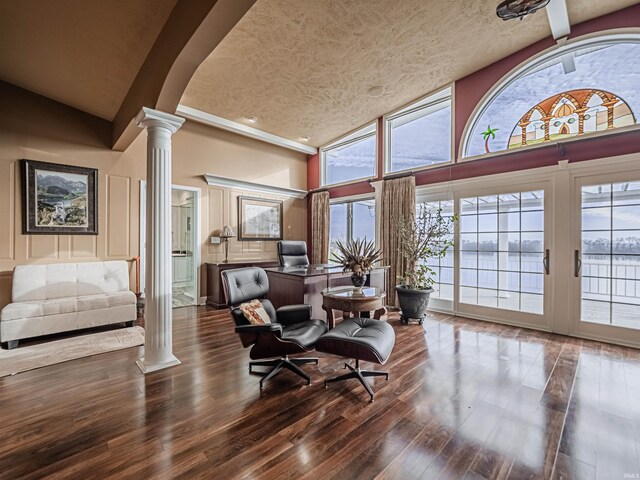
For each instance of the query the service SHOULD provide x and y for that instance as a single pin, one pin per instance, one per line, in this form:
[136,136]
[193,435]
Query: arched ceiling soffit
[193,30]
[84,54]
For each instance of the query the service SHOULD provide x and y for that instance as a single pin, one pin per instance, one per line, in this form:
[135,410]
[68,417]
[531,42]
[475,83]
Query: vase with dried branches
[428,235]
[357,256]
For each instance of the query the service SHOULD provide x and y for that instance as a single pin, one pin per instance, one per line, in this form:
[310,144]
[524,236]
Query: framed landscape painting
[59,199]
[259,219]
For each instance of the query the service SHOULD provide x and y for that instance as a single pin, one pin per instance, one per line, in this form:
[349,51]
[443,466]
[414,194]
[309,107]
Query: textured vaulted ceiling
[84,53]
[303,67]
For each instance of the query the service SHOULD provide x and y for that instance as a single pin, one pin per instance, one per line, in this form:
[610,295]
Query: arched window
[589,86]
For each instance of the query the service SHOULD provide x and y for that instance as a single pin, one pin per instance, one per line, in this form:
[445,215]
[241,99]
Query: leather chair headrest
[292,247]
[244,284]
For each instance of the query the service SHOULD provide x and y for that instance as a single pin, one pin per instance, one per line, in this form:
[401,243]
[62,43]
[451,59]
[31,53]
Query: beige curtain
[320,227]
[398,202]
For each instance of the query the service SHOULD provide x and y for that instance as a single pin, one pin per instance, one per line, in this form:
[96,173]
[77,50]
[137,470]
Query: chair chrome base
[280,364]
[356,372]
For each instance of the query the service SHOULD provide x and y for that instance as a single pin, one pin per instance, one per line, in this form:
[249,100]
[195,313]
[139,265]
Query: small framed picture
[259,219]
[59,199]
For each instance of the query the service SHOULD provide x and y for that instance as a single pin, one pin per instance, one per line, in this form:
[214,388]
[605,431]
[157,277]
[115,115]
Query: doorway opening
[185,248]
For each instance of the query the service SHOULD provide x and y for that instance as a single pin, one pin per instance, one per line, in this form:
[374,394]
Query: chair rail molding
[217,181]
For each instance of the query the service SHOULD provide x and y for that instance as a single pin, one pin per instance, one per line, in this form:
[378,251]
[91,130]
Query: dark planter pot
[358,280]
[413,303]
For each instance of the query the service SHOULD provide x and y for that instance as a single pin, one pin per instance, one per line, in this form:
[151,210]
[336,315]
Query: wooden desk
[359,302]
[296,285]
[215,292]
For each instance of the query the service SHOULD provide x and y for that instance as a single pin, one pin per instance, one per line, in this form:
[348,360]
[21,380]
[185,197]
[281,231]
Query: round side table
[359,301]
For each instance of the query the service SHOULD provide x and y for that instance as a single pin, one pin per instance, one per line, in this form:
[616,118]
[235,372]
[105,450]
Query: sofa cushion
[62,280]
[58,306]
[105,300]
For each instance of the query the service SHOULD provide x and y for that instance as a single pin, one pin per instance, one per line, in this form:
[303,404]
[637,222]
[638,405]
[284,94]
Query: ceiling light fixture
[519,8]
[251,119]
[376,91]
[305,138]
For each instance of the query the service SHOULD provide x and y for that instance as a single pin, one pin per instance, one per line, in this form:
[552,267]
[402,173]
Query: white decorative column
[158,340]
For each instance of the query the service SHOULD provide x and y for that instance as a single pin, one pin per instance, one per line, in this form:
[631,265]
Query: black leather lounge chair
[291,329]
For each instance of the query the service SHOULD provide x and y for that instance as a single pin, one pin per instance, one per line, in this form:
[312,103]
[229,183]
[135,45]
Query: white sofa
[64,297]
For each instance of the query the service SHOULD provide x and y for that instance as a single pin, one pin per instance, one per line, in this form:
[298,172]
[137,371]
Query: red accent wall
[469,92]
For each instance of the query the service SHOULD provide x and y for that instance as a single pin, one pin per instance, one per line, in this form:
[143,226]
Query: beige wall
[38,129]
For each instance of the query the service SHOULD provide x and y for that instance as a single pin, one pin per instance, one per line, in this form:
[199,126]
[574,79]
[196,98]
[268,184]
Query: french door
[503,255]
[606,258]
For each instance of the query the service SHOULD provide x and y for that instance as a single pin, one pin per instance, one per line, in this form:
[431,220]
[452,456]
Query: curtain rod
[396,176]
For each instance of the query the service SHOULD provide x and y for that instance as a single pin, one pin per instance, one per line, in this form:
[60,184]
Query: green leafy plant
[422,237]
[357,256]
[489,134]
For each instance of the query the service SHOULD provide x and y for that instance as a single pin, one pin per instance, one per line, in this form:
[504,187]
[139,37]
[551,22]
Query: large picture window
[577,90]
[420,135]
[350,158]
[351,221]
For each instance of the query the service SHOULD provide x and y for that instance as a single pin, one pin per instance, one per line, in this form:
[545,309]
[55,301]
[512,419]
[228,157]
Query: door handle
[545,261]
[577,263]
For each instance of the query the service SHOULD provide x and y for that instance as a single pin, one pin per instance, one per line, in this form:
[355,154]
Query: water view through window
[502,251]
[611,254]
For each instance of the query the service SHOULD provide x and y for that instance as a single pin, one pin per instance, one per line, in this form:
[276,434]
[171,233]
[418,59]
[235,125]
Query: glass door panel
[610,254]
[502,251]
[443,278]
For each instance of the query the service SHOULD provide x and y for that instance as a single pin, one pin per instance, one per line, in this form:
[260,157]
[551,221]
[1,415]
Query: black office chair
[291,329]
[292,253]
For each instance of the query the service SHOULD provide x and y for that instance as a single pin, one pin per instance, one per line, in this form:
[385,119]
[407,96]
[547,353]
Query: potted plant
[423,237]
[356,256]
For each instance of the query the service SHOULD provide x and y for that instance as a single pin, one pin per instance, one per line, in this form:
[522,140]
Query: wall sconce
[227,233]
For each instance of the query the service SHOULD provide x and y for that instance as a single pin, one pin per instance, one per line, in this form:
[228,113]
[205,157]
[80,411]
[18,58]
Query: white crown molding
[217,181]
[244,130]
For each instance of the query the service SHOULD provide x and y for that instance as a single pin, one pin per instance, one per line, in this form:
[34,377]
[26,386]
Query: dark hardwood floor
[465,399]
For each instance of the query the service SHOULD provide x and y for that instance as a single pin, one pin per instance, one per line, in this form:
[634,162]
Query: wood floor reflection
[465,399]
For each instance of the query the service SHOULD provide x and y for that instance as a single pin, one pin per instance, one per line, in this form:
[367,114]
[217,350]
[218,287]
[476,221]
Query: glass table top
[353,292]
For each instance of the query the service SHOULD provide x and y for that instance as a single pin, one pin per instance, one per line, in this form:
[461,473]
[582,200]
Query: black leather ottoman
[362,339]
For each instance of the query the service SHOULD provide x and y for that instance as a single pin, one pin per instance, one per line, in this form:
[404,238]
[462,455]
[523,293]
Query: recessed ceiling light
[251,119]
[304,138]
[376,91]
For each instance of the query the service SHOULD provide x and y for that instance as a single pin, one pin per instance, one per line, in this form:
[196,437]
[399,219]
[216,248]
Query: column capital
[148,117]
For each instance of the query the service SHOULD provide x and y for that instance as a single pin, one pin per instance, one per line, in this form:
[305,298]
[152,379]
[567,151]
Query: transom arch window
[586,87]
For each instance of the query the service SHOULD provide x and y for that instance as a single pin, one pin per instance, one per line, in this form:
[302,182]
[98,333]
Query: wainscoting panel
[43,247]
[223,210]
[217,201]
[118,207]
[84,247]
[7,215]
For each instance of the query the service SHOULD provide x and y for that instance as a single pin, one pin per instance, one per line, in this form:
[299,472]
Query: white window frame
[362,133]
[429,101]
[623,35]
